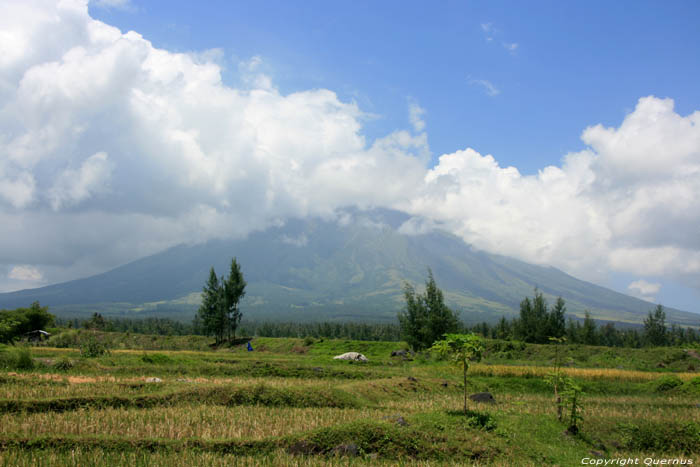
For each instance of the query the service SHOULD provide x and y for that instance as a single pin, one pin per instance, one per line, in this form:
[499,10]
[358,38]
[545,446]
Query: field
[289,403]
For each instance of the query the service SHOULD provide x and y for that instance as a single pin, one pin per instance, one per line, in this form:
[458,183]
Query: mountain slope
[353,269]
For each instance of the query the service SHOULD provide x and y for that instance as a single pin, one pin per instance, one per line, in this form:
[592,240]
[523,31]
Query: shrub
[93,348]
[64,364]
[16,359]
[692,386]
[662,437]
[666,383]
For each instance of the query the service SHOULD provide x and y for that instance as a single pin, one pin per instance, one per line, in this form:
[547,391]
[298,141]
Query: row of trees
[535,316]
[426,319]
[220,314]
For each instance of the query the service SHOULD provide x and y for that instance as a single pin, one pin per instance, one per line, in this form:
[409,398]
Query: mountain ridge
[351,268]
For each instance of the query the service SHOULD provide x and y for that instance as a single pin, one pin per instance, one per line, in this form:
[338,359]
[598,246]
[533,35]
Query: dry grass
[192,421]
[583,373]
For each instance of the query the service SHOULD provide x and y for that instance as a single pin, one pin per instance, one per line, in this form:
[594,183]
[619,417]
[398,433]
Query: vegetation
[537,323]
[294,405]
[426,317]
[219,315]
[15,323]
[460,349]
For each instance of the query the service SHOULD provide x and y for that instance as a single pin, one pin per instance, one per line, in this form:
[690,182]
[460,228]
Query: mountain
[348,269]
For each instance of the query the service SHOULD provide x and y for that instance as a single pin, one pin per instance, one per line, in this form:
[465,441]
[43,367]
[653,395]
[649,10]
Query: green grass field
[289,403]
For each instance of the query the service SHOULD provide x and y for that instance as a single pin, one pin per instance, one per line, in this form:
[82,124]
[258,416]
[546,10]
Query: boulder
[485,397]
[351,356]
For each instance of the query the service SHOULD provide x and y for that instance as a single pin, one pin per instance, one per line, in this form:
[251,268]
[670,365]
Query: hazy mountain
[352,268]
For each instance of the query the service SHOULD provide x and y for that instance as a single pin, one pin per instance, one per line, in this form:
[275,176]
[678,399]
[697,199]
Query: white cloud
[644,290]
[511,47]
[73,186]
[488,87]
[25,273]
[118,4]
[174,154]
[111,149]
[629,203]
[415,115]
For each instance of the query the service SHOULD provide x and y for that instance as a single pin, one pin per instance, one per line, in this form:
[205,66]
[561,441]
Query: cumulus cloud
[644,290]
[630,202]
[111,149]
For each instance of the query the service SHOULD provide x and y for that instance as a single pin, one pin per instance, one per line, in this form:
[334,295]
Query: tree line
[538,322]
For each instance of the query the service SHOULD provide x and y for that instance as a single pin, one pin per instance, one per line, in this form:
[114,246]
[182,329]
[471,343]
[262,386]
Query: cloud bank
[111,149]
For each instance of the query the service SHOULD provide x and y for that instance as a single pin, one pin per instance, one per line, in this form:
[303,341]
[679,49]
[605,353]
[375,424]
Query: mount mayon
[350,268]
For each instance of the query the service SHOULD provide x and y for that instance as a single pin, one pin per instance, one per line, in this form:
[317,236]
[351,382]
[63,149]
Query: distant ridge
[349,270]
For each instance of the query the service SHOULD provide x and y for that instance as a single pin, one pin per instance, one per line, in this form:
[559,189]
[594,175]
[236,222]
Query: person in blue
[250,347]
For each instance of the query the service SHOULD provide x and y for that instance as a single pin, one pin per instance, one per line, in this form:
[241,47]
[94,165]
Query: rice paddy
[273,407]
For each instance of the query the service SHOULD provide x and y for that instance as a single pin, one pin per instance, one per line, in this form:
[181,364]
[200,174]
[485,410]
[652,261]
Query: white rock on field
[358,357]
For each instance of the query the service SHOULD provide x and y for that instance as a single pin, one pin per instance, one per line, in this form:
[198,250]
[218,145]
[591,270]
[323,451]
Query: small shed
[36,336]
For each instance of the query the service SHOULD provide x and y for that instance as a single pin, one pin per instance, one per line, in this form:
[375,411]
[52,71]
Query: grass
[290,403]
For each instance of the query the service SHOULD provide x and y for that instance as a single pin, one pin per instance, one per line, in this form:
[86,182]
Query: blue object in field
[250,347]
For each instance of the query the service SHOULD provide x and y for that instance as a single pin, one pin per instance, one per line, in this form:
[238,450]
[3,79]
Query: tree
[15,323]
[234,291]
[557,323]
[589,334]
[536,324]
[219,314]
[460,349]
[210,311]
[426,317]
[655,332]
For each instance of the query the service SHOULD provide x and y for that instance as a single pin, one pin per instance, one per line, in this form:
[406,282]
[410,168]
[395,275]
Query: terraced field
[289,403]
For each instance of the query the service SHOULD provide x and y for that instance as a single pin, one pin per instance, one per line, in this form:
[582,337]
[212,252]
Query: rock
[153,379]
[398,419]
[179,380]
[399,353]
[411,378]
[349,449]
[485,397]
[351,356]
[401,421]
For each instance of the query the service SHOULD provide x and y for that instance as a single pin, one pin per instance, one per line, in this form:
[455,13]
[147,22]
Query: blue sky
[575,64]
[559,133]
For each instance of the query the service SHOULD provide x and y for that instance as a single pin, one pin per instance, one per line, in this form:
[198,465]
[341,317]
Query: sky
[559,133]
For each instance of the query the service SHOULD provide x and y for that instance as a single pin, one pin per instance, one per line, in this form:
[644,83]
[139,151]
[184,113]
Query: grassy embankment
[289,403]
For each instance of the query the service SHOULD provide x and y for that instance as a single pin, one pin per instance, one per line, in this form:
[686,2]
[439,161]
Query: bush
[662,437]
[93,348]
[667,383]
[65,339]
[692,386]
[16,359]
[308,340]
[64,364]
